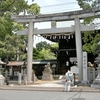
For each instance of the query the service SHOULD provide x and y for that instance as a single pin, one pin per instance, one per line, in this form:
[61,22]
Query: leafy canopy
[43,51]
[42,45]
[90,38]
[10,44]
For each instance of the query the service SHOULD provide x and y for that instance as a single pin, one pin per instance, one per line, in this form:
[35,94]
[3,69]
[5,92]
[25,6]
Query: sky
[53,6]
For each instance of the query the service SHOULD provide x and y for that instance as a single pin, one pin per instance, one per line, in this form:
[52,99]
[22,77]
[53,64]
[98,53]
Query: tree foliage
[47,54]
[36,54]
[42,45]
[43,51]
[13,48]
[89,38]
[96,45]
[33,9]
[9,42]
[55,45]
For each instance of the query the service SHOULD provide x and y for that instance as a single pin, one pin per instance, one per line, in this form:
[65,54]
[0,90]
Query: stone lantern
[96,82]
[1,76]
[1,63]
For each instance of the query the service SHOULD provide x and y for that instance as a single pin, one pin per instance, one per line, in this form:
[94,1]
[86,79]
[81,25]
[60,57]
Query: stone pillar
[89,74]
[2,80]
[93,69]
[30,52]
[22,71]
[85,80]
[79,48]
[19,78]
[10,71]
[25,79]
[6,78]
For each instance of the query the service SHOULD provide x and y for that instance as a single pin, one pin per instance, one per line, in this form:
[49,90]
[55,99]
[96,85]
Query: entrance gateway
[65,16]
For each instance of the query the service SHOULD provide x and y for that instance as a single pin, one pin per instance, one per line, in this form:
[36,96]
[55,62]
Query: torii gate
[74,15]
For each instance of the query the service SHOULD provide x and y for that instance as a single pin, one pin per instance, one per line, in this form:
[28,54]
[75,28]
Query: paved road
[47,95]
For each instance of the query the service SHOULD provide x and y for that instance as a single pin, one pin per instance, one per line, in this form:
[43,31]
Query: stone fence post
[25,79]
[19,78]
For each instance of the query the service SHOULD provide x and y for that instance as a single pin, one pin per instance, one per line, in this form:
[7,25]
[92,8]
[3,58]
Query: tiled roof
[15,63]
[20,63]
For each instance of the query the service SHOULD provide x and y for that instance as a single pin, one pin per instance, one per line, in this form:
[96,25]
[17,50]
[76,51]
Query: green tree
[36,54]
[13,48]
[55,46]
[43,51]
[43,44]
[8,27]
[96,45]
[89,38]
[8,7]
[46,54]
[33,9]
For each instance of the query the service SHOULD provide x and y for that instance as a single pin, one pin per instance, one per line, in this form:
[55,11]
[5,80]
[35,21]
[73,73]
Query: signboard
[75,69]
[84,66]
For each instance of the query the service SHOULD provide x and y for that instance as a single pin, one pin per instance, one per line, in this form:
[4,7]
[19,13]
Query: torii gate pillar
[30,52]
[79,48]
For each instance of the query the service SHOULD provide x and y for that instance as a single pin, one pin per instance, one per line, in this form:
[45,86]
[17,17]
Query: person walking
[68,80]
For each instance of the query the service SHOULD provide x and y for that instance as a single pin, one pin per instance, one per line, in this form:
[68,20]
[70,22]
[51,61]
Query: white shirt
[68,76]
